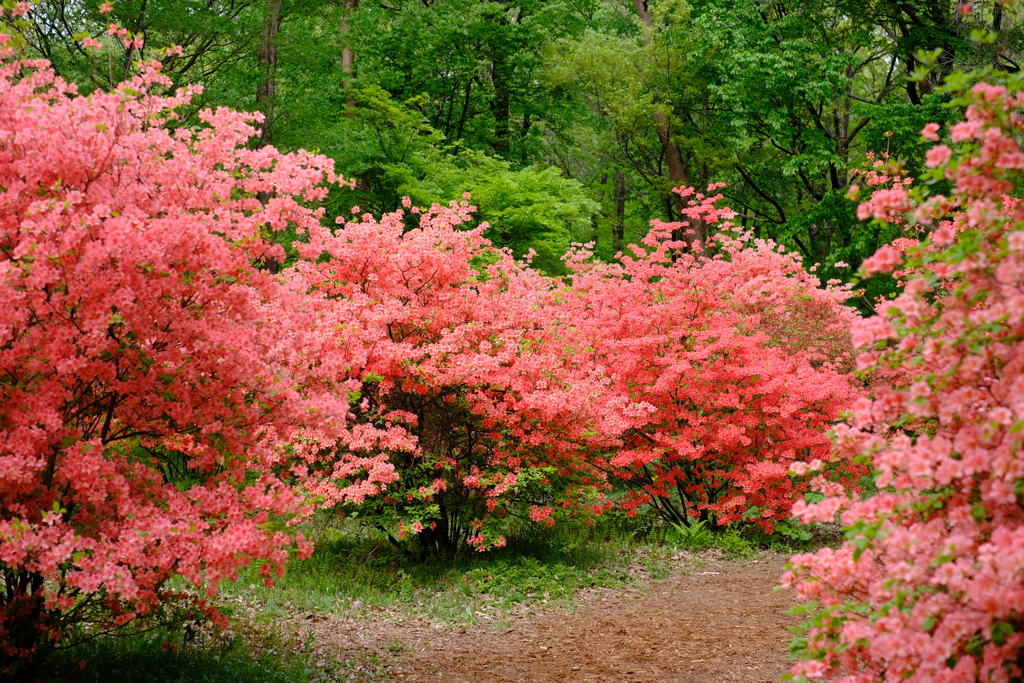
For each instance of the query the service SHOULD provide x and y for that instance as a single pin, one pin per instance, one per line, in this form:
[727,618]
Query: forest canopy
[586,112]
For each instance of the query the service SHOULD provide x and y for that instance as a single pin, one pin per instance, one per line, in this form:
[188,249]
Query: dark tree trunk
[502,106]
[348,59]
[619,229]
[23,622]
[697,231]
[267,89]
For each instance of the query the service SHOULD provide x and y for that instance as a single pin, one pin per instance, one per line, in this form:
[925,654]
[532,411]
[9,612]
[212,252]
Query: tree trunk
[643,11]
[500,79]
[619,229]
[697,231]
[348,60]
[267,89]
[24,625]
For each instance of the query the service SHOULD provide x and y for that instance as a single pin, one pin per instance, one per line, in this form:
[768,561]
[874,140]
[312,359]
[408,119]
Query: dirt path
[722,622]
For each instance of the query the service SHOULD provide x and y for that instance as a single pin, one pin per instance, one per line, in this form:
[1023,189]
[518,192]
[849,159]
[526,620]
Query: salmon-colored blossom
[928,586]
[158,389]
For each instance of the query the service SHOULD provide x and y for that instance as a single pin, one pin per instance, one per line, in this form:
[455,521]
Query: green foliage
[525,577]
[470,66]
[174,655]
[696,536]
[533,208]
[743,541]
[394,152]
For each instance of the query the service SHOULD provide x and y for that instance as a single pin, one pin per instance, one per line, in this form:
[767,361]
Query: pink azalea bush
[928,585]
[153,382]
[696,379]
[460,353]
[739,357]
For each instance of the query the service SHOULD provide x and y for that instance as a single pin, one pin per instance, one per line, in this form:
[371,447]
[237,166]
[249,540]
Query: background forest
[571,120]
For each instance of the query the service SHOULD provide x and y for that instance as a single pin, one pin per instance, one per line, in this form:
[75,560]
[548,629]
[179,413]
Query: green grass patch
[353,574]
[166,655]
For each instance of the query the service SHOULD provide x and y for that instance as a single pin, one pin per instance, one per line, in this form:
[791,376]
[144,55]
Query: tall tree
[267,88]
[780,100]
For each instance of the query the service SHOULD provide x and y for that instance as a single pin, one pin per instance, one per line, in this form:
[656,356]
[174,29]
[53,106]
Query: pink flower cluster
[155,382]
[929,585]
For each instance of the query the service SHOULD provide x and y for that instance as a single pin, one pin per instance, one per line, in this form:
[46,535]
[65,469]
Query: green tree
[780,100]
[469,66]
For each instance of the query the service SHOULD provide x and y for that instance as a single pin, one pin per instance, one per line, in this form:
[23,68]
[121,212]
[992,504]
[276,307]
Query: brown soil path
[723,622]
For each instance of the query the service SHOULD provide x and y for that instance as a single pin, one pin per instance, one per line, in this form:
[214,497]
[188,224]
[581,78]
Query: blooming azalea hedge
[928,585]
[168,407]
[740,357]
[152,380]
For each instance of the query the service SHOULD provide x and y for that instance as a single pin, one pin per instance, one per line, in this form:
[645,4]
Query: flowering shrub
[151,379]
[503,390]
[461,355]
[927,586]
[735,357]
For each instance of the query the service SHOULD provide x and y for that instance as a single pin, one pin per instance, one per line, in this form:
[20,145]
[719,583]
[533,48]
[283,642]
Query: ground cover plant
[174,655]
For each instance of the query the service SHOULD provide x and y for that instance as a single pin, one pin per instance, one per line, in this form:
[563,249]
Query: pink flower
[964,130]
[930,132]
[798,468]
[1015,240]
[943,236]
[883,261]
[937,156]
[812,669]
[1010,160]
[886,204]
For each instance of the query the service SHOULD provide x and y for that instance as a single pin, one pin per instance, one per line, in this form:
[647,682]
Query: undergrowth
[355,573]
[359,572]
[167,655]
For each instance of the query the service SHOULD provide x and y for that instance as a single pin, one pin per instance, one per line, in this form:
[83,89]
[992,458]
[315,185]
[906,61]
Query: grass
[354,574]
[351,573]
[256,650]
[163,656]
